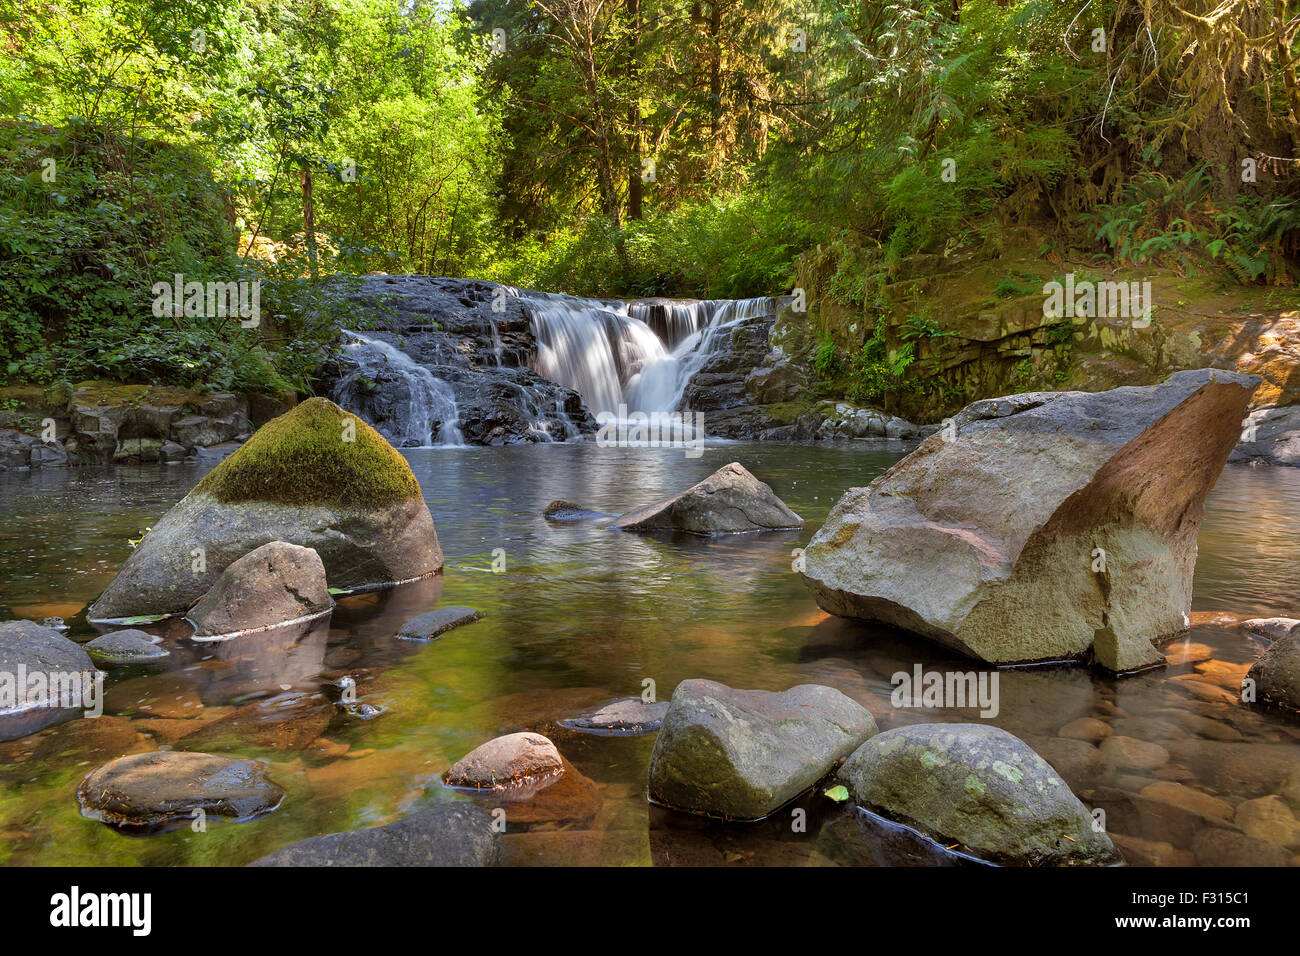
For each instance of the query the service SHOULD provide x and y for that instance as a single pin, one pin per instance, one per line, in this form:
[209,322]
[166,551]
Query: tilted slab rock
[728,501]
[979,787]
[742,754]
[275,584]
[317,477]
[1040,525]
[44,679]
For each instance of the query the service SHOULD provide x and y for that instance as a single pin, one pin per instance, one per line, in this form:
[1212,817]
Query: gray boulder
[978,787]
[126,647]
[1058,523]
[44,678]
[437,622]
[729,500]
[450,834]
[278,583]
[1271,436]
[742,754]
[316,477]
[1270,628]
[1277,674]
[165,788]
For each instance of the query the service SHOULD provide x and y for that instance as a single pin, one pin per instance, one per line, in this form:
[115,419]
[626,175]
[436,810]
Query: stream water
[579,616]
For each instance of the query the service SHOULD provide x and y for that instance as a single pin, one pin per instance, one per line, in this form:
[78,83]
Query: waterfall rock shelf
[456,361]
[1042,525]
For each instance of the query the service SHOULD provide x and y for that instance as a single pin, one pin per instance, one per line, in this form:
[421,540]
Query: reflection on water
[583,615]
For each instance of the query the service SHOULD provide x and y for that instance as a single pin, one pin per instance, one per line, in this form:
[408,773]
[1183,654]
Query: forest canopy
[637,147]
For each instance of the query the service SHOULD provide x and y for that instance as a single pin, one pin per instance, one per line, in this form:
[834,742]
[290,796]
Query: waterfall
[430,405]
[640,355]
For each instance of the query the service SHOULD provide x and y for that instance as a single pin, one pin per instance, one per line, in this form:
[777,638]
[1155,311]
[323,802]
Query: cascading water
[430,404]
[639,355]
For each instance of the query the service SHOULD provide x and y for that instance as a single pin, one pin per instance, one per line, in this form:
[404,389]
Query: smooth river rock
[29,703]
[1040,526]
[980,787]
[628,717]
[155,790]
[1271,628]
[523,759]
[437,622]
[1277,675]
[742,754]
[317,477]
[450,834]
[130,646]
[278,583]
[730,500]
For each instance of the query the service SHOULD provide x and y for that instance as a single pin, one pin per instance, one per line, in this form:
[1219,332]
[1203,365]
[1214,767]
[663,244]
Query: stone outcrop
[980,788]
[316,477]
[728,501]
[742,754]
[278,583]
[1039,526]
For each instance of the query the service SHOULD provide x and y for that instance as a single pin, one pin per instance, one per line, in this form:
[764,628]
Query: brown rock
[512,760]
[1129,753]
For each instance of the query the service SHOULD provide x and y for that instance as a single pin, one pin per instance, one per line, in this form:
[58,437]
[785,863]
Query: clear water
[580,616]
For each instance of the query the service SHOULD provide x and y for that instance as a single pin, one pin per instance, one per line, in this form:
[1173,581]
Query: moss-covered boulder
[317,477]
[978,788]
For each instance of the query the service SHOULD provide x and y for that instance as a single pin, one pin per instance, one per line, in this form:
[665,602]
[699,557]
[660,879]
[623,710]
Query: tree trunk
[309,221]
[634,181]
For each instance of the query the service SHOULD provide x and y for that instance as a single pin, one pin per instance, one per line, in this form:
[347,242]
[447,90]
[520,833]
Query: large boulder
[742,754]
[450,834]
[317,477]
[1055,523]
[728,501]
[278,583]
[1277,674]
[168,788]
[978,787]
[44,679]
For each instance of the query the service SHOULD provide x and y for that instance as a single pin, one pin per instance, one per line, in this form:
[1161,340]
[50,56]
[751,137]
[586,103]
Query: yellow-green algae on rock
[314,454]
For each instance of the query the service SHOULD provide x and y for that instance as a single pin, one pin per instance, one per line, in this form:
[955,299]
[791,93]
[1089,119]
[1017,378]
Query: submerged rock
[126,647]
[437,622]
[741,754]
[1270,628]
[978,787]
[316,477]
[729,500]
[561,510]
[522,759]
[450,834]
[44,678]
[278,583]
[1057,522]
[154,790]
[624,718]
[1277,674]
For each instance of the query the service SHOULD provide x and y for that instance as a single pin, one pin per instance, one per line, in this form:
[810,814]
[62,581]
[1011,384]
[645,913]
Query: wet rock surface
[154,790]
[129,646]
[628,717]
[514,760]
[451,834]
[1277,675]
[979,787]
[435,623]
[741,754]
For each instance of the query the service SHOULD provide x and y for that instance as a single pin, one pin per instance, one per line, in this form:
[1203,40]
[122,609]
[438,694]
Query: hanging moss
[302,458]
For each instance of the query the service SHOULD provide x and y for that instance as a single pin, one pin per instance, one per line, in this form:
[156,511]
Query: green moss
[303,458]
